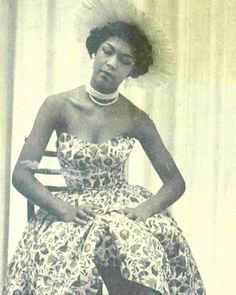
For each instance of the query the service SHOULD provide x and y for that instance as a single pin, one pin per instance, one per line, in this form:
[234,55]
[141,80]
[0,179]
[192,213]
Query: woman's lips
[108,74]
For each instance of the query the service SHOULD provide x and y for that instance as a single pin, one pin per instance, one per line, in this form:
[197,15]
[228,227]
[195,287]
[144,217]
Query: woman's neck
[101,99]
[101,95]
[101,88]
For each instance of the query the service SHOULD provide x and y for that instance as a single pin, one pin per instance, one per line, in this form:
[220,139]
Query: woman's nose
[112,61]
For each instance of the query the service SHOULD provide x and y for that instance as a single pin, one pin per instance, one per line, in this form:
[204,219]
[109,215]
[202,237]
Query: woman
[102,229]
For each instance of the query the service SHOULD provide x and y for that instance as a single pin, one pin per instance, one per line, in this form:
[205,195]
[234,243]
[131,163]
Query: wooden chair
[51,188]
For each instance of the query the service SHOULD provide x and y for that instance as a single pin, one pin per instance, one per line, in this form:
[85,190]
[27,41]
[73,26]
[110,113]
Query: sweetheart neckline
[96,143]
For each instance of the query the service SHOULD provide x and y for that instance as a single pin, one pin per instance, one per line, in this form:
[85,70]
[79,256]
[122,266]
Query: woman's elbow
[16,178]
[19,177]
[181,185]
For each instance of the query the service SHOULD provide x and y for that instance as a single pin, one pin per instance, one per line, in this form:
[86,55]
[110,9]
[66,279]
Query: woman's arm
[23,176]
[173,183]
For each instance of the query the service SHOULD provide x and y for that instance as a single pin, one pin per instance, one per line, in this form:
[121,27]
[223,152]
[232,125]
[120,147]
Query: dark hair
[139,43]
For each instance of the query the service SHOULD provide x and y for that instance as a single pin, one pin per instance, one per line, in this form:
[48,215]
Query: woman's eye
[107,50]
[126,60]
[123,58]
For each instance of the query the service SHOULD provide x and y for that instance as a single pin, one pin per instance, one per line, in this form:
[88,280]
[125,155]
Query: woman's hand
[81,215]
[137,213]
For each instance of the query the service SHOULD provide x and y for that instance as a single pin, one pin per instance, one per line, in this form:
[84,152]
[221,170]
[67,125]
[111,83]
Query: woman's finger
[79,221]
[139,219]
[131,215]
[83,215]
[89,211]
[94,207]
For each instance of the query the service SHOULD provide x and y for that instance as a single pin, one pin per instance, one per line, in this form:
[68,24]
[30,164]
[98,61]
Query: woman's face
[113,62]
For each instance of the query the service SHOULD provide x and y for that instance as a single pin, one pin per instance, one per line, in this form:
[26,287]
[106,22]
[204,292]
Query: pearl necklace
[101,98]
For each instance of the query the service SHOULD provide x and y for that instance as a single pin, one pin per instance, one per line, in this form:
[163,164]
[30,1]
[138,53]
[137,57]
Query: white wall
[197,122]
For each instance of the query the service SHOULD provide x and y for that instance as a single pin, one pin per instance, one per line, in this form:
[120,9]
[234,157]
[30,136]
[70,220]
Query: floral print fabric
[60,258]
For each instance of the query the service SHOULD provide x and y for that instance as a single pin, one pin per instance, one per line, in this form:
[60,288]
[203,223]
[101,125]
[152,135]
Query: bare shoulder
[62,98]
[74,96]
[57,103]
[139,118]
[133,110]
[53,102]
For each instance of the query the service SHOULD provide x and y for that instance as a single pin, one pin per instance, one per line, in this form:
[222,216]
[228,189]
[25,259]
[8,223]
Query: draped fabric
[194,113]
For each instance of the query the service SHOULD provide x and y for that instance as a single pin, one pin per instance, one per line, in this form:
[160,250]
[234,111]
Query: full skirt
[60,258]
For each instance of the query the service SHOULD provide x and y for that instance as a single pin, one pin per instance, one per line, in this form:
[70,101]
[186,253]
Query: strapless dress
[61,258]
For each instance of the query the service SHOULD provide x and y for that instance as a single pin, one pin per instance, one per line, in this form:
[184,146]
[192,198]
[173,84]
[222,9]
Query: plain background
[195,114]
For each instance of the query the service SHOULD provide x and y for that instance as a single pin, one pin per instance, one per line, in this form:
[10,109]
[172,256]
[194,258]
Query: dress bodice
[95,166]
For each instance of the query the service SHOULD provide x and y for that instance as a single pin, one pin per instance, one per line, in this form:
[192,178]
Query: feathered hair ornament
[92,14]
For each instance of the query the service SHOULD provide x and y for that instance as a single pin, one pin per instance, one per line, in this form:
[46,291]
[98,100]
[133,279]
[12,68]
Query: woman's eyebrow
[122,53]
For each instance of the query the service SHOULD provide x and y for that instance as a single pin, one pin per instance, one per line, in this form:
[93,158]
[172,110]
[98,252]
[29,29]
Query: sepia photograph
[118,147]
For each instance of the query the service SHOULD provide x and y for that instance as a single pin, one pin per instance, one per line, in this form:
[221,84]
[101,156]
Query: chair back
[52,188]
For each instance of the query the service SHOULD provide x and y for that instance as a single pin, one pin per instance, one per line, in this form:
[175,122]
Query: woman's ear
[133,73]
